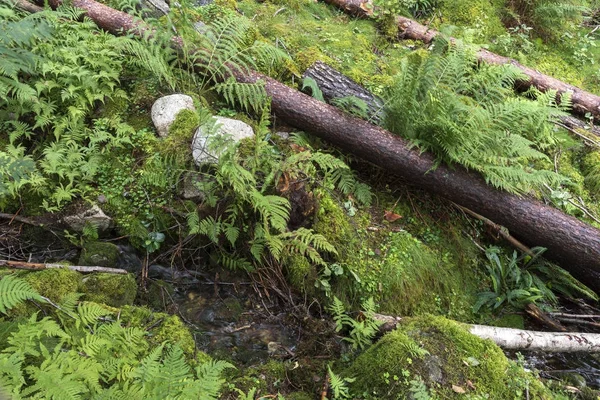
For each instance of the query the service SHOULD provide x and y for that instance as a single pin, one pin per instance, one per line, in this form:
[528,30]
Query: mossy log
[520,339]
[570,242]
[583,101]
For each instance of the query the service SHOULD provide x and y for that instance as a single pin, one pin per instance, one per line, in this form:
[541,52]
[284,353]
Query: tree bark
[518,339]
[570,242]
[583,101]
[333,84]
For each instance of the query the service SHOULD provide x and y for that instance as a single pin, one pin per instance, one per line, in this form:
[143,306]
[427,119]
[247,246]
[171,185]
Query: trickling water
[566,366]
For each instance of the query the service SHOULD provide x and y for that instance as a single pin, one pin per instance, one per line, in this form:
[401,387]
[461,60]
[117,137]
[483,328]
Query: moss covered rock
[446,358]
[99,254]
[54,283]
[111,289]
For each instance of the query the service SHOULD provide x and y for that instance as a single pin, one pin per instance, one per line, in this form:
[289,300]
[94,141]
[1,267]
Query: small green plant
[339,385]
[360,332]
[517,281]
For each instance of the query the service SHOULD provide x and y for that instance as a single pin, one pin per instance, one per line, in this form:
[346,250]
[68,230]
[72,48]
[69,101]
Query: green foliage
[227,49]
[547,17]
[520,280]
[339,385]
[14,291]
[83,352]
[56,72]
[254,224]
[413,8]
[467,114]
[360,332]
[352,105]
[310,83]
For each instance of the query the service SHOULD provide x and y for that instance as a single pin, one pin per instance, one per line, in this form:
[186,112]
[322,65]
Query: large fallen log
[570,242]
[520,339]
[583,101]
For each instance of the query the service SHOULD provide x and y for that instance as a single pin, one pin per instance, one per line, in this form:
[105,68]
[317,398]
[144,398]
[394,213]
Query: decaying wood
[78,268]
[23,5]
[520,339]
[570,242]
[333,84]
[18,218]
[583,101]
[534,312]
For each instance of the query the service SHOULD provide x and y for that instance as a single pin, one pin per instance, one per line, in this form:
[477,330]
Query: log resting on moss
[583,102]
[519,339]
[571,243]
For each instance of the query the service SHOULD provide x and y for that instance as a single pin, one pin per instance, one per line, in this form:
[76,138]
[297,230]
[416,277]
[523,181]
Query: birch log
[518,339]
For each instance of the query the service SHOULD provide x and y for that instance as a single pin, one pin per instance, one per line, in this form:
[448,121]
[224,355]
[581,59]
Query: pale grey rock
[165,110]
[93,215]
[154,8]
[203,144]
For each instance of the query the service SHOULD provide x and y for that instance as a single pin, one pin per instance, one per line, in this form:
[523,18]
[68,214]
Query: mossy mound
[54,283]
[450,361]
[164,327]
[403,274]
[476,14]
[113,290]
[99,254]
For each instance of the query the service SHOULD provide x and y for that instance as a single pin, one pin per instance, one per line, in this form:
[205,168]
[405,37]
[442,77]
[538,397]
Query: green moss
[454,357]
[591,168]
[111,289]
[510,321]
[478,15]
[163,327]
[54,283]
[184,125]
[99,254]
[300,273]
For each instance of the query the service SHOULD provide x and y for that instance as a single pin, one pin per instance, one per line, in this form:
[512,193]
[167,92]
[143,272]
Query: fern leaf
[14,291]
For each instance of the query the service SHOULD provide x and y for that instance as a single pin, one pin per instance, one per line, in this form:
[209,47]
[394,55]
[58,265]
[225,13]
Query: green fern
[467,114]
[13,291]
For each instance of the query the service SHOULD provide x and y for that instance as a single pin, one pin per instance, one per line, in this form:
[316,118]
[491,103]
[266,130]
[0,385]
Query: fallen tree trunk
[583,101]
[570,242]
[519,339]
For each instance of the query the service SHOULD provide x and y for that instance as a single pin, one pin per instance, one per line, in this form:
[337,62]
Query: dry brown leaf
[391,216]
[458,389]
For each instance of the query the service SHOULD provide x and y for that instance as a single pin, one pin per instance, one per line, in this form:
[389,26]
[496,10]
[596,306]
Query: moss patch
[99,254]
[54,283]
[111,289]
[442,353]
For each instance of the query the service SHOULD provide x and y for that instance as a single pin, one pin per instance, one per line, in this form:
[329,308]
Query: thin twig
[502,231]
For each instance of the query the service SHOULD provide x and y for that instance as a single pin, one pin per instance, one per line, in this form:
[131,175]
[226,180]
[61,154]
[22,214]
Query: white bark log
[518,339]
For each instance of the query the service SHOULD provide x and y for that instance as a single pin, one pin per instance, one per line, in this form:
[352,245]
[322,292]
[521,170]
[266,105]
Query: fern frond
[14,291]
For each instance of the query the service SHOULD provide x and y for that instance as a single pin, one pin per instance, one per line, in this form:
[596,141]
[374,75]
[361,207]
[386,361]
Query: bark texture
[518,339]
[333,84]
[583,101]
[572,243]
